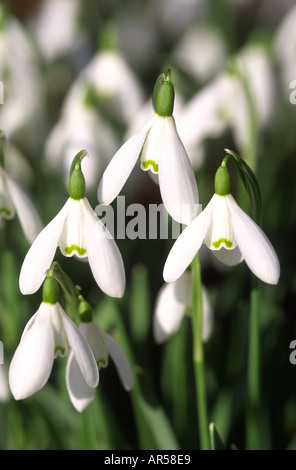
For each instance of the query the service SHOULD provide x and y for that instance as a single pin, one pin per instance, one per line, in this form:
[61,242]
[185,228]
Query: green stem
[198,355]
[253,406]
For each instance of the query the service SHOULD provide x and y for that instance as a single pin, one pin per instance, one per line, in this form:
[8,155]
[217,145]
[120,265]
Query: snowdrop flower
[224,104]
[115,84]
[102,346]
[208,48]
[77,231]
[56,28]
[172,303]
[229,232]
[160,150]
[48,333]
[22,80]
[13,201]
[77,128]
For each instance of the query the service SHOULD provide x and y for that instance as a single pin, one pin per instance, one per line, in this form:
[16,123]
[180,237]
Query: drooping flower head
[161,151]
[173,303]
[229,233]
[102,346]
[77,231]
[49,333]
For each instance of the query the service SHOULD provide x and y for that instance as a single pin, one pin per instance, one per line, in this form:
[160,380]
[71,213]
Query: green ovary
[5,211]
[221,241]
[59,350]
[69,250]
[147,163]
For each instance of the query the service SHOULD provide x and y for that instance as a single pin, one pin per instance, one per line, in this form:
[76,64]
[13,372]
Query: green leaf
[215,439]
[250,182]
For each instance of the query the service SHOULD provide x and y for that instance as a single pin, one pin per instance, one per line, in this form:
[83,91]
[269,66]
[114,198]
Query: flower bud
[85,311]
[50,291]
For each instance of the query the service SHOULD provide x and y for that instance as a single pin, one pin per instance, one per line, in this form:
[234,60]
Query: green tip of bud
[50,291]
[84,310]
[222,181]
[164,95]
[77,180]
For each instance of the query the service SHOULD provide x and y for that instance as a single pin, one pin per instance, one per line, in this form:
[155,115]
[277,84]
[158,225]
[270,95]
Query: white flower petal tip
[254,245]
[170,307]
[80,393]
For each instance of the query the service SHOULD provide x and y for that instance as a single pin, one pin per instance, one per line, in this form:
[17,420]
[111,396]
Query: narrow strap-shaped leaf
[250,182]
[215,439]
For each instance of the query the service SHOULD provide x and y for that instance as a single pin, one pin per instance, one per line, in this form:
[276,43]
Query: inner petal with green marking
[152,147]
[72,240]
[220,233]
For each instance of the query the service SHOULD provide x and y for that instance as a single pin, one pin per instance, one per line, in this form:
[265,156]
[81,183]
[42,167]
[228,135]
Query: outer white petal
[122,363]
[121,165]
[255,247]
[41,253]
[80,393]
[176,177]
[81,351]
[27,214]
[171,303]
[32,362]
[187,245]
[104,257]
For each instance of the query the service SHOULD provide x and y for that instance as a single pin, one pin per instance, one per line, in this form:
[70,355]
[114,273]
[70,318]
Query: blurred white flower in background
[173,302]
[56,27]
[106,89]
[284,49]
[207,46]
[223,103]
[115,84]
[24,104]
[79,126]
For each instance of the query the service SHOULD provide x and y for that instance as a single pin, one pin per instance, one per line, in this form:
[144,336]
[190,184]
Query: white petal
[41,253]
[120,167]
[103,255]
[82,351]
[32,362]
[72,239]
[187,245]
[95,338]
[122,363]
[176,177]
[171,303]
[27,214]
[255,247]
[80,393]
